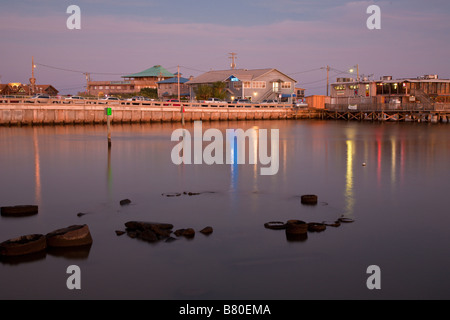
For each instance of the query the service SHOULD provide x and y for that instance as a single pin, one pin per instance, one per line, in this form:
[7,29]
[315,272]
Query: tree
[149,93]
[204,92]
[219,90]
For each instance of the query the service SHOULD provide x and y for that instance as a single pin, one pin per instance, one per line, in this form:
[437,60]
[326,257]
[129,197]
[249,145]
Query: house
[255,84]
[132,83]
[19,89]
[169,87]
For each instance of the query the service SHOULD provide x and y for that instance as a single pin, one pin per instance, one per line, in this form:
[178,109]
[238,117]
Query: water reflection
[37,168]
[349,196]
[109,175]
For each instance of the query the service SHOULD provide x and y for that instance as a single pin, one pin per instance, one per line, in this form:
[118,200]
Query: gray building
[255,85]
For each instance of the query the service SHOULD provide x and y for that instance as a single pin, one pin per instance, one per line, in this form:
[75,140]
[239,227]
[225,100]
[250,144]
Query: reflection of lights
[37,168]
[393,150]
[349,179]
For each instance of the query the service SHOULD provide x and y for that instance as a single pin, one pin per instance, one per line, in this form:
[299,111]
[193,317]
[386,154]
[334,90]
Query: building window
[247,84]
[106,87]
[119,87]
[286,85]
[100,87]
[259,84]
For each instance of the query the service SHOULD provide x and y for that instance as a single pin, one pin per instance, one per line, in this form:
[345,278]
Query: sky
[299,38]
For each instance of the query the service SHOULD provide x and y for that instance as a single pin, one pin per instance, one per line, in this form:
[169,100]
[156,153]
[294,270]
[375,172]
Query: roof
[223,75]
[155,71]
[174,80]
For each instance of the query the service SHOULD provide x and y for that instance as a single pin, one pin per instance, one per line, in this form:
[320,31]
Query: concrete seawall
[51,114]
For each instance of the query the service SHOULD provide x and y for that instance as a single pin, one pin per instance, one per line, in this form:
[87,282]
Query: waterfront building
[427,89]
[19,89]
[169,87]
[255,84]
[132,83]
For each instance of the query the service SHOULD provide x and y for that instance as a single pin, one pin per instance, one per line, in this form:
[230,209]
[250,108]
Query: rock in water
[72,236]
[125,202]
[19,211]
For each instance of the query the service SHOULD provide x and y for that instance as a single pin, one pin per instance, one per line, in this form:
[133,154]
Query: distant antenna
[0,79]
[233,57]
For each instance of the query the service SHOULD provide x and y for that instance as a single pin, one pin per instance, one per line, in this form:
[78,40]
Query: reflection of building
[169,87]
[426,89]
[255,84]
[132,83]
[18,89]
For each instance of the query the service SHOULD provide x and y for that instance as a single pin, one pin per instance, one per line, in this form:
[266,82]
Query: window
[259,84]
[106,87]
[286,85]
[341,87]
[247,84]
[100,87]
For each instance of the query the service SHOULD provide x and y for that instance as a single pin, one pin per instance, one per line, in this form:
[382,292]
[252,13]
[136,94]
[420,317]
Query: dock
[20,111]
[389,112]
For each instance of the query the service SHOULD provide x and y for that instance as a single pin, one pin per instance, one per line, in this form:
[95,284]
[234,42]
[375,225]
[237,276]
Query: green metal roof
[155,71]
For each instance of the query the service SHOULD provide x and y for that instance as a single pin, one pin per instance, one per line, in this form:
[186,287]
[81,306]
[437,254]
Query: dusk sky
[296,37]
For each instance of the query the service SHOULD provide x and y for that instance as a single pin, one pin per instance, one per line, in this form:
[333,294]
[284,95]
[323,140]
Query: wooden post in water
[108,124]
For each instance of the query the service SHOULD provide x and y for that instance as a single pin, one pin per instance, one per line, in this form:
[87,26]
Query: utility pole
[178,78]
[181,105]
[32,79]
[357,72]
[328,78]
[88,79]
[233,57]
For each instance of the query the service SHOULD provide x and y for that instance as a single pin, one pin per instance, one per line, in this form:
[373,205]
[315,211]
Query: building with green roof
[156,72]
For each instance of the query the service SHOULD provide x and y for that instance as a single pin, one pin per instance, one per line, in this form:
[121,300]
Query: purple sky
[296,37]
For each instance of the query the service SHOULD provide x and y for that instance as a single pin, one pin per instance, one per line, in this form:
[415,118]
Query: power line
[303,71]
[77,71]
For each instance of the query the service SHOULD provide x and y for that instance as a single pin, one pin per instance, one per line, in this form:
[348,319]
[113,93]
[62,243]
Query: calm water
[399,200]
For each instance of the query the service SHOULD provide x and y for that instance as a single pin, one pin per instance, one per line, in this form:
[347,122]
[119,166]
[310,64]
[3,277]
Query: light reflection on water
[397,200]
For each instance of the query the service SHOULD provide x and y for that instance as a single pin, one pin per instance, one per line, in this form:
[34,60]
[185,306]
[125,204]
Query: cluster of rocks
[297,230]
[155,231]
[178,194]
[72,236]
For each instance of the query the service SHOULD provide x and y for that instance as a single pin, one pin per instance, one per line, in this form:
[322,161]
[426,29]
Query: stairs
[423,97]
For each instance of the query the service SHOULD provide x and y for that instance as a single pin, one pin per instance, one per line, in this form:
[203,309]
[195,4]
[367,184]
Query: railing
[387,107]
[90,102]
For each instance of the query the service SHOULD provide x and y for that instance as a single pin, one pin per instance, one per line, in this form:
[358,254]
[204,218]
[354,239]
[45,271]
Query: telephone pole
[233,57]
[88,79]
[32,79]
[328,78]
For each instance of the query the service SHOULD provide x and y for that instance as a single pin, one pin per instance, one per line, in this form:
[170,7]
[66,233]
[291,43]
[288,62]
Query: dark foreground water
[399,201]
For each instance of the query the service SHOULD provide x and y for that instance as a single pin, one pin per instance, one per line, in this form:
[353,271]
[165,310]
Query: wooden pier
[385,112]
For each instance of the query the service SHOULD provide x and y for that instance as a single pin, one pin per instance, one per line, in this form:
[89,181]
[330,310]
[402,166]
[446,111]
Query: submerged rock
[23,245]
[125,202]
[310,199]
[75,235]
[19,211]
[207,230]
